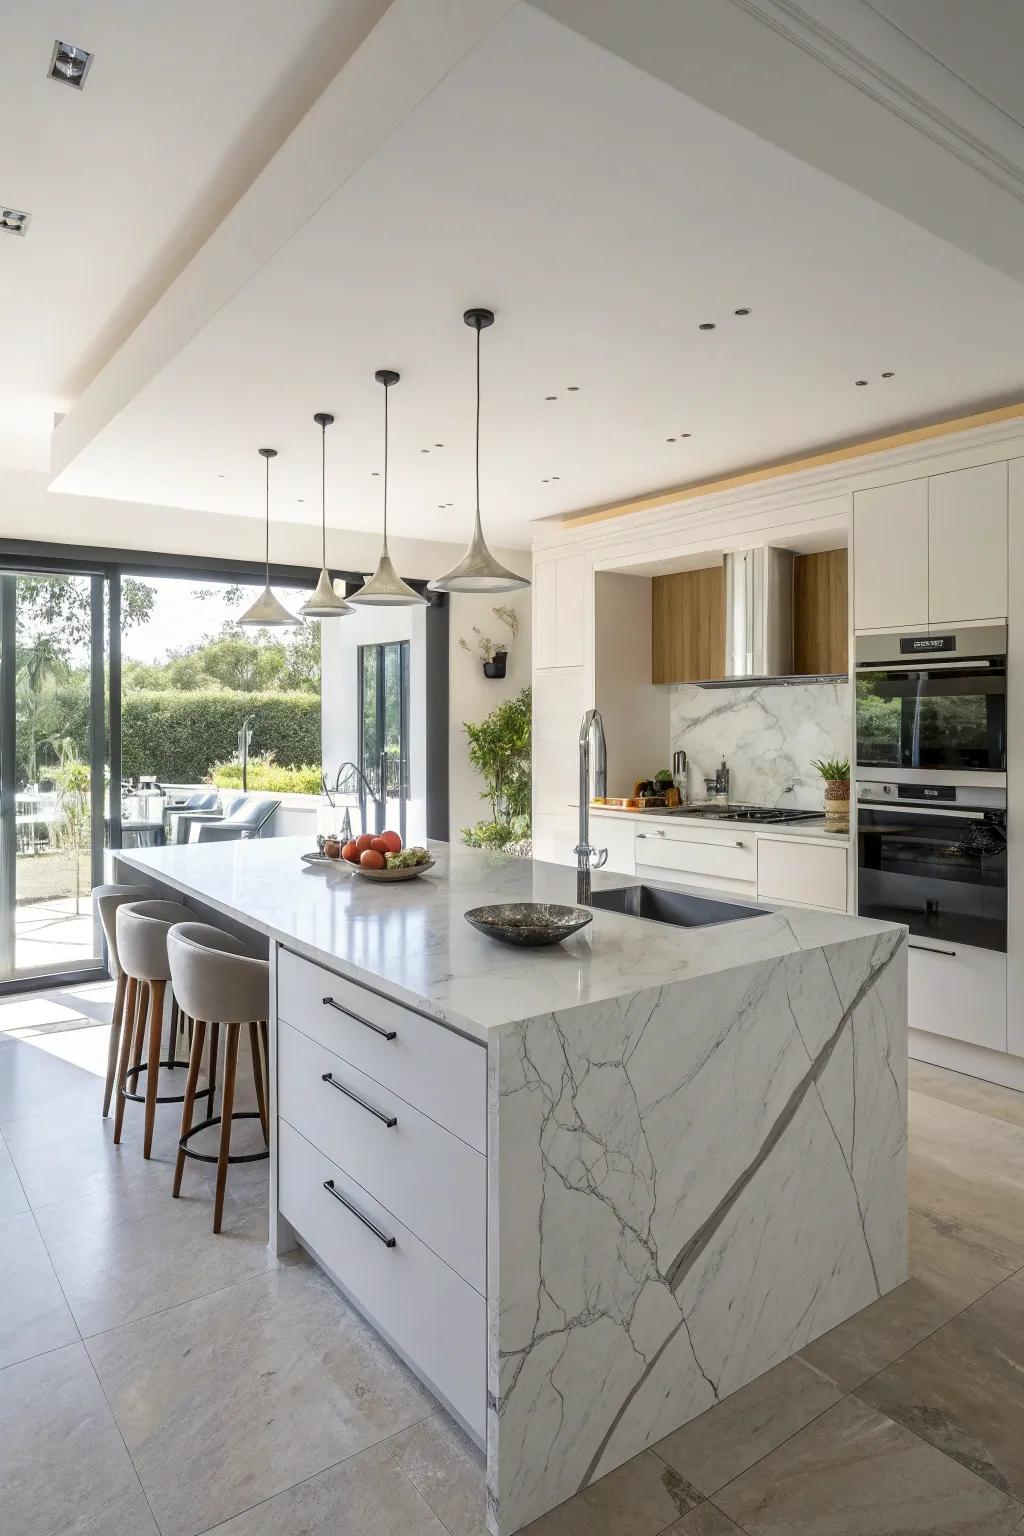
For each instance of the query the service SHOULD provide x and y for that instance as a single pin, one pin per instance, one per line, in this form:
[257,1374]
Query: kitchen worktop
[411,940]
[817,829]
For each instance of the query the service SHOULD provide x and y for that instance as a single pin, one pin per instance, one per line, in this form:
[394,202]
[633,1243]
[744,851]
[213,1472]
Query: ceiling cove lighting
[324,602]
[267,612]
[478,571]
[69,64]
[385,588]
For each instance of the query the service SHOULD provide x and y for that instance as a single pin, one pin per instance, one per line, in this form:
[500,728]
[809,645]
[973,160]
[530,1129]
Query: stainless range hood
[759,619]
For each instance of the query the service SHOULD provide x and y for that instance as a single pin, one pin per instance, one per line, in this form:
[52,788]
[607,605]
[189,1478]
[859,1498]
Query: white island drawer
[432,1317]
[428,1178]
[802,874]
[441,1073]
[715,855]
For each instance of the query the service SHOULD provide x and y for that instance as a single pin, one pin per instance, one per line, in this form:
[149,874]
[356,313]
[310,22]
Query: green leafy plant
[833,770]
[499,750]
[663,776]
[483,644]
[264,773]
[72,828]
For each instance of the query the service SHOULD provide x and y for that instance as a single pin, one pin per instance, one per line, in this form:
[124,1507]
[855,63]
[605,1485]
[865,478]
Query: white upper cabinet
[932,551]
[558,610]
[890,556]
[967,559]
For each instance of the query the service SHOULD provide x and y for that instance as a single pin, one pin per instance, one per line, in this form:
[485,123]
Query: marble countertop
[411,940]
[818,828]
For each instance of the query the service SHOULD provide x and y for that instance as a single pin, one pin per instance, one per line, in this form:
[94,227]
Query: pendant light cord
[386,388]
[267,462]
[478,422]
[323,494]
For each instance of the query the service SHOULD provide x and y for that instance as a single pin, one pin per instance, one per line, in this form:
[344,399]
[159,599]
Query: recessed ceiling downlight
[69,64]
[14,221]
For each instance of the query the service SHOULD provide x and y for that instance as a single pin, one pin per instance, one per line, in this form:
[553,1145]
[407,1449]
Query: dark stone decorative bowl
[530,924]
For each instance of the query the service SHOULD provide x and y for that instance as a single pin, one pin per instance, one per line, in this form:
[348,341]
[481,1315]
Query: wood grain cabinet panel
[820,612]
[688,626]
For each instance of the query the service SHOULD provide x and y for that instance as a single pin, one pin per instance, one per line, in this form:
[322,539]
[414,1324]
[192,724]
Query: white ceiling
[124,180]
[982,42]
[603,215]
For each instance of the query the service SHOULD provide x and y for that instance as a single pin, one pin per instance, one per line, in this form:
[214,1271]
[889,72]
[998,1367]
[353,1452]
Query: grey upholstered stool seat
[219,984]
[106,900]
[142,928]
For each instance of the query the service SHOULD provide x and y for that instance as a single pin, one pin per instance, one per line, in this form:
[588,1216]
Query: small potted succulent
[494,653]
[664,784]
[836,773]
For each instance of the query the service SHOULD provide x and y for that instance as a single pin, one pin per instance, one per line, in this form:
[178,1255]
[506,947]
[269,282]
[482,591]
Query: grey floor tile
[231,1399]
[966,1166]
[968,1092]
[33,1313]
[123,1259]
[12,1196]
[716,1447]
[36,1081]
[64,1470]
[367,1495]
[638,1499]
[449,1471]
[963,1389]
[854,1472]
[705,1520]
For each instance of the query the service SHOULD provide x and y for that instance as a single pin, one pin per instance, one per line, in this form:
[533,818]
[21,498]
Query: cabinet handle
[926,949]
[385,1034]
[385,1237]
[389,1120]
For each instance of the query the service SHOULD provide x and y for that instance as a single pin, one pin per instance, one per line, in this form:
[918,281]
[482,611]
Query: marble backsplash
[769,736]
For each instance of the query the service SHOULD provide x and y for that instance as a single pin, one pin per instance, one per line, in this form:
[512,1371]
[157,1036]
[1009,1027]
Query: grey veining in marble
[638,1284]
[769,736]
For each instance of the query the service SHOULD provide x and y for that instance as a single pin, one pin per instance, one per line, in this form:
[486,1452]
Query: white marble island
[627,1174]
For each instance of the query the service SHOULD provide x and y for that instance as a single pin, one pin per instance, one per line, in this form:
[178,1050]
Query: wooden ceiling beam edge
[821,460]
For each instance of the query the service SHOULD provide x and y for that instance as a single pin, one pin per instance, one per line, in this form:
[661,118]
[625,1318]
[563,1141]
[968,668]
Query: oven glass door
[944,718]
[943,873]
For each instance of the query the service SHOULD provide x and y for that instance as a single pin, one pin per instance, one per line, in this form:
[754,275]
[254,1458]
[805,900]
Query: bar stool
[106,900]
[142,928]
[218,982]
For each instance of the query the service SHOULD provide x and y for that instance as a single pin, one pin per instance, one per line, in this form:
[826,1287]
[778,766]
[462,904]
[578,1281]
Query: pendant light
[324,603]
[267,612]
[385,588]
[478,571]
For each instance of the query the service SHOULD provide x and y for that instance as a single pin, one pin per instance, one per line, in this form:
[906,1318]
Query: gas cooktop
[767,815]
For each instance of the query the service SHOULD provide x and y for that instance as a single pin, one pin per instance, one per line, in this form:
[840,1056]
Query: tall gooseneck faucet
[587,856]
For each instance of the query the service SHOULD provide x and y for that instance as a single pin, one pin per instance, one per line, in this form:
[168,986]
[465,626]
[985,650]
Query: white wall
[634,711]
[472,696]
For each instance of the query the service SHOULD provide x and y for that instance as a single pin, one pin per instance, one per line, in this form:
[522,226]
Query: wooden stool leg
[128,1030]
[188,1107]
[211,1090]
[114,1044]
[266,1072]
[257,1072]
[227,1101]
[156,1030]
[173,1034]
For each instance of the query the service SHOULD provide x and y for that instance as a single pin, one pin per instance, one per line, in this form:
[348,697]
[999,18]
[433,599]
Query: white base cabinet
[958,991]
[717,857]
[802,874]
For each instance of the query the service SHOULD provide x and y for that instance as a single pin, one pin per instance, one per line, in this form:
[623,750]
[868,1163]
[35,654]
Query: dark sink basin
[677,907]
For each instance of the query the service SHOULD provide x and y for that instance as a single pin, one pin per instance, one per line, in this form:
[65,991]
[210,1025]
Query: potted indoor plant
[836,773]
[494,653]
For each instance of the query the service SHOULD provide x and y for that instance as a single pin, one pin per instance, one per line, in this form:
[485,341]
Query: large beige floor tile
[64,1470]
[12,1196]
[854,1472]
[963,1389]
[449,1471]
[33,1313]
[966,1167]
[716,1447]
[122,1260]
[968,1092]
[367,1495]
[36,1081]
[638,1499]
[705,1520]
[228,1400]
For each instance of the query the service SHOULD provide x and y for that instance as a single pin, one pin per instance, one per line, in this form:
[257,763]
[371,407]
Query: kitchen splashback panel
[769,736]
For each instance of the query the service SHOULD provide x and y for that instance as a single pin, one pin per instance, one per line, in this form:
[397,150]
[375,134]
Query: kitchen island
[624,1176]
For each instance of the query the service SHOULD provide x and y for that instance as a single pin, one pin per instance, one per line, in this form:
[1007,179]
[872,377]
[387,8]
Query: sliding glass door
[54,731]
[384,730]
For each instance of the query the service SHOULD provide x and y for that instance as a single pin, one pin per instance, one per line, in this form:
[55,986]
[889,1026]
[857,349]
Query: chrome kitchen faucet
[587,856]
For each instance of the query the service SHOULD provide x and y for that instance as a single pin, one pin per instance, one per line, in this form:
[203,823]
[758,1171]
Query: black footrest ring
[161,1098]
[238,1157]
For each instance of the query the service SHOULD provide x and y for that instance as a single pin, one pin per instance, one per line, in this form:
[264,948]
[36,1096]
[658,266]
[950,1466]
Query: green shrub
[181,736]
[266,774]
[499,750]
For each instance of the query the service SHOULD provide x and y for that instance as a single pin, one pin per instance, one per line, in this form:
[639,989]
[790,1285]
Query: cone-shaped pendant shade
[267,612]
[324,603]
[385,588]
[478,570]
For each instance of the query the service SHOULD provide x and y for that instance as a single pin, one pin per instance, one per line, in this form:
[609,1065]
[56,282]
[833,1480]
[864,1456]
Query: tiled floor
[156,1379]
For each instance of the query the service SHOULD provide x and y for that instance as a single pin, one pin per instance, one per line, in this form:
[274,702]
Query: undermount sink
[677,907]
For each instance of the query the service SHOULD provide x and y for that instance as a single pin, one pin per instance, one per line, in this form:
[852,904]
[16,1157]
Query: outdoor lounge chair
[244,820]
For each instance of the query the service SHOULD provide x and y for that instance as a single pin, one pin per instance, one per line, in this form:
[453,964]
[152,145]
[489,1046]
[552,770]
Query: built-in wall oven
[931,708]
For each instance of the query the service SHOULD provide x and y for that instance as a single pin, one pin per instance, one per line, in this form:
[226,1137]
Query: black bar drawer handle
[389,1120]
[386,1238]
[386,1034]
[926,949]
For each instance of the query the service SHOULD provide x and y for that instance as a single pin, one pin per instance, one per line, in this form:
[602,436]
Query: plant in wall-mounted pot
[836,773]
[494,654]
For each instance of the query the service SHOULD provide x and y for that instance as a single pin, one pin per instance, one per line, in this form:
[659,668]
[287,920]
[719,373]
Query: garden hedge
[180,736]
